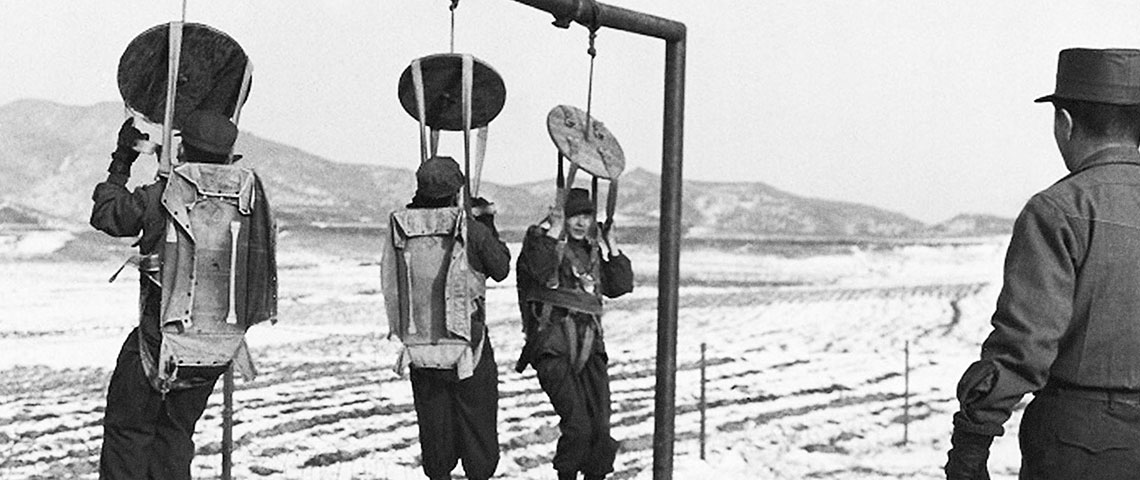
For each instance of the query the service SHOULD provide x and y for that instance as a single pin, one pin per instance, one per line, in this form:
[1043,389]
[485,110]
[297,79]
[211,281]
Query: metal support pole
[227,423]
[669,267]
[906,392]
[668,277]
[702,408]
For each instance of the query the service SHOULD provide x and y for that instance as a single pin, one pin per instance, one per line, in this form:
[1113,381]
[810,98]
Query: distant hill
[52,155]
[973,225]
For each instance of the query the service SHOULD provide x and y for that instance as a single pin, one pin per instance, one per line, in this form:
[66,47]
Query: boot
[571,475]
[595,477]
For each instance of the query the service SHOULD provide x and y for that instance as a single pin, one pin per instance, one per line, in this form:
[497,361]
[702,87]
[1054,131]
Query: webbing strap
[418,85]
[434,142]
[173,58]
[480,155]
[468,79]
[611,205]
[594,191]
[243,94]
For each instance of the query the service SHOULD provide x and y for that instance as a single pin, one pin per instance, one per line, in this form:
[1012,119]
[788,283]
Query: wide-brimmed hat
[1109,76]
[209,131]
[438,177]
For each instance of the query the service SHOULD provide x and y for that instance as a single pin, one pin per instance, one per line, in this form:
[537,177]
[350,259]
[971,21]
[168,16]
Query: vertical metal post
[227,423]
[906,392]
[702,405]
[668,274]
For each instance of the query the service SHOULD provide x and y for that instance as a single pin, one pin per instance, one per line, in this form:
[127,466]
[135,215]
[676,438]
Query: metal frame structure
[590,13]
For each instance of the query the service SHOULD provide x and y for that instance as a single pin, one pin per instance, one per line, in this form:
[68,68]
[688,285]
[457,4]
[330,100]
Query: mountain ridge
[52,155]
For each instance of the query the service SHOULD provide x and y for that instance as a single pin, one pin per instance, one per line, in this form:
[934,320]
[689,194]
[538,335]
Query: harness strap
[173,58]
[243,94]
[434,142]
[611,205]
[418,86]
[480,155]
[468,79]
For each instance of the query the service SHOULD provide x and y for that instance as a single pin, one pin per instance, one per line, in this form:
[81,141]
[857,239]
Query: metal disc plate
[210,72]
[443,92]
[601,155]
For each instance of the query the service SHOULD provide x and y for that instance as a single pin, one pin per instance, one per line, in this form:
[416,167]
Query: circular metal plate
[600,154]
[443,92]
[210,72]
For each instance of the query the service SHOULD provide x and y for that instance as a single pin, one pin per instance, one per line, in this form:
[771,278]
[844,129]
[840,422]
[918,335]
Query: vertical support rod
[703,379]
[906,392]
[228,423]
[668,274]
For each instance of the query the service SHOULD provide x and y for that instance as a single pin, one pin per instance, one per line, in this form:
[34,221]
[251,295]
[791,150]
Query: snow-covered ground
[805,368]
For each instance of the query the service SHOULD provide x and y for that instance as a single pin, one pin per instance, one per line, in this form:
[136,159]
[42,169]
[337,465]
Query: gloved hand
[968,455]
[554,222]
[125,152]
[484,212]
[481,206]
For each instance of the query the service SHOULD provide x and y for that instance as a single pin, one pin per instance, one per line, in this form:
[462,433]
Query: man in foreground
[1067,323]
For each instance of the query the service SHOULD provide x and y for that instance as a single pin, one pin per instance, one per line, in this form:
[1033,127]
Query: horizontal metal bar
[610,16]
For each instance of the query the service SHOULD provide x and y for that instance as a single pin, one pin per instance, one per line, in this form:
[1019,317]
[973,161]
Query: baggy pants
[582,401]
[458,419]
[146,436]
[1063,437]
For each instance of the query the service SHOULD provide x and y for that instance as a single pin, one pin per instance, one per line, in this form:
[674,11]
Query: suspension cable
[454,5]
[595,24]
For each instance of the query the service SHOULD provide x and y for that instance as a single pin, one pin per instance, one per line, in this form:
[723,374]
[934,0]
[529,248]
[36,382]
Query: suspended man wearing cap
[147,425]
[433,290]
[562,277]
[1067,323]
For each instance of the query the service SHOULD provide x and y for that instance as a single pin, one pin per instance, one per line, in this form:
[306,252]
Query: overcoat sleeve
[1033,311]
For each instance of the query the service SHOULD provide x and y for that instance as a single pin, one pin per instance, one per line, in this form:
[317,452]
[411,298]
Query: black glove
[484,212]
[968,455]
[125,152]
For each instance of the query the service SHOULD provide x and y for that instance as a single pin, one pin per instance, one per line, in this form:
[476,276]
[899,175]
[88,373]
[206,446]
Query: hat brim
[1046,98]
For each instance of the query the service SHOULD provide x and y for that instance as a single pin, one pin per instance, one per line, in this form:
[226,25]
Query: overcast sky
[922,107]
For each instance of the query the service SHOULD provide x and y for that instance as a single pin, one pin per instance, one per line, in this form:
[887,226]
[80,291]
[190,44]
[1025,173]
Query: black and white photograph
[569,239]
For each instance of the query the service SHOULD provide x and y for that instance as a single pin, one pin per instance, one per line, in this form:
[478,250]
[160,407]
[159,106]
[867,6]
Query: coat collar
[1106,156]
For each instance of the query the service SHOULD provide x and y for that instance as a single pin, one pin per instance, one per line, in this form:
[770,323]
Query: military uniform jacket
[1069,309]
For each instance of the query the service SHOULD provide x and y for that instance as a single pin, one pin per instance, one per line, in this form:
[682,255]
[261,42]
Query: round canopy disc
[600,154]
[210,71]
[443,92]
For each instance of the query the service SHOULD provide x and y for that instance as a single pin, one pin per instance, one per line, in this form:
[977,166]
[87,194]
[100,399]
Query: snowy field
[805,367]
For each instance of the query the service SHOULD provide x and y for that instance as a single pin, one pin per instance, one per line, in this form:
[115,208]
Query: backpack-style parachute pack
[218,270]
[430,291]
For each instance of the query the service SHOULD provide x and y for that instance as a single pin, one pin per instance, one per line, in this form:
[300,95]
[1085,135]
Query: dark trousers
[458,419]
[146,436]
[582,401]
[1063,437]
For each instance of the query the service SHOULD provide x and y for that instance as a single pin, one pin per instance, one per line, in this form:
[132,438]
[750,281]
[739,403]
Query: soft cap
[438,177]
[578,202]
[209,131]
